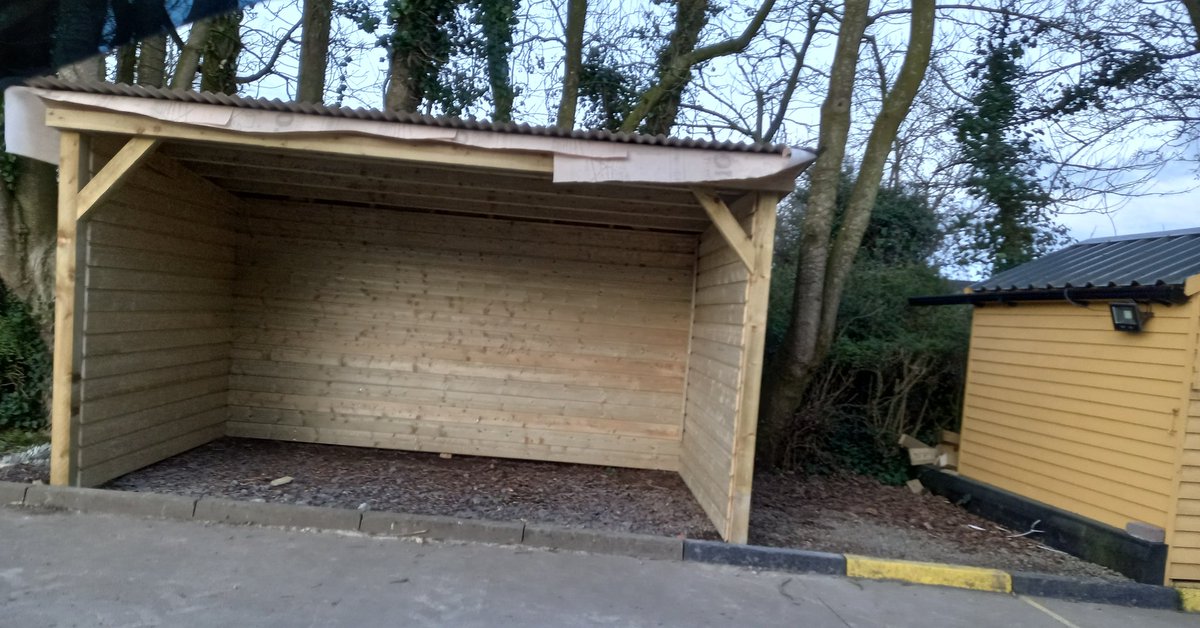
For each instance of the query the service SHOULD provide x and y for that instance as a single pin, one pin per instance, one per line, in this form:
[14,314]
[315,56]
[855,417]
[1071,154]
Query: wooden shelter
[263,269]
[1083,386]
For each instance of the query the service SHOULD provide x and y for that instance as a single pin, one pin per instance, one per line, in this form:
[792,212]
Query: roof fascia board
[570,160]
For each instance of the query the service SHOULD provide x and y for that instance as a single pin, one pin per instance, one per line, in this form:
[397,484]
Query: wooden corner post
[73,171]
[754,338]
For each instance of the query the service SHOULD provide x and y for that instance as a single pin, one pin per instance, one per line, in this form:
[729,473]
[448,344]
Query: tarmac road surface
[70,569]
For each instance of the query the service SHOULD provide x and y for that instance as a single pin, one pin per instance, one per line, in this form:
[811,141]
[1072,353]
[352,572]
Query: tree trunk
[673,78]
[152,62]
[572,64]
[403,93]
[80,25]
[314,51]
[28,232]
[673,74]
[126,63]
[825,262]
[218,69]
[798,358]
[498,18]
[189,56]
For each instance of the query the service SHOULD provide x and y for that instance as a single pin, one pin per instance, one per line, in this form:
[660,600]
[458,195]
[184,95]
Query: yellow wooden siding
[158,278]
[714,374]
[1183,559]
[427,332]
[1063,409]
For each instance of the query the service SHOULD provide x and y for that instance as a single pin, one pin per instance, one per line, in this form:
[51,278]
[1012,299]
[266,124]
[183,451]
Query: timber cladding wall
[465,335]
[156,338]
[1061,408]
[1183,560]
[730,304]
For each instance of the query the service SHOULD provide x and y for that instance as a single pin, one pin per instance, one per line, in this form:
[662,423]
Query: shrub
[24,367]
[892,368]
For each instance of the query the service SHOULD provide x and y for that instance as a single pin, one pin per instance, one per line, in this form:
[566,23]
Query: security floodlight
[1127,316]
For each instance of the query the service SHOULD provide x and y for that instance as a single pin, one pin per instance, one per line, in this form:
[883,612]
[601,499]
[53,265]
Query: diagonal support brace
[728,226]
[109,179]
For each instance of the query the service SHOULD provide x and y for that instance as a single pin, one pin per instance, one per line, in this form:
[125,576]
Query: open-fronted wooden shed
[262,269]
[1083,390]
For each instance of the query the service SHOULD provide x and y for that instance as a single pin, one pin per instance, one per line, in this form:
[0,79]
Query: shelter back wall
[429,332]
[158,273]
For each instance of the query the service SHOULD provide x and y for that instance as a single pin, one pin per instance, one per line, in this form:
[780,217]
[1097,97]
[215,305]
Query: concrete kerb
[13,492]
[624,544]
[442,528]
[637,545]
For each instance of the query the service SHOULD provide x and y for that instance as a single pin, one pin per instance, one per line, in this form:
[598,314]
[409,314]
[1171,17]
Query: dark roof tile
[1149,259]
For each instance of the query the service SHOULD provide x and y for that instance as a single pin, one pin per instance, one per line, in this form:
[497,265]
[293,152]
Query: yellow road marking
[957,576]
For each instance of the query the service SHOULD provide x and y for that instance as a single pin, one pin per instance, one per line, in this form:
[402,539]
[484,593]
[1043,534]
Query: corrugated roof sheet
[1148,259]
[272,104]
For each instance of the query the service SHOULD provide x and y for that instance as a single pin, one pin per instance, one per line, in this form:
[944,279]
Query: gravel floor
[836,514]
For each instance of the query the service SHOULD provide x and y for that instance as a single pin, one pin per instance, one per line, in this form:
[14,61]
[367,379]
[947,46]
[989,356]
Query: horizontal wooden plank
[1141,441]
[1130,356]
[1093,320]
[1169,374]
[263,376]
[94,432]
[1018,395]
[1117,342]
[1071,497]
[436,414]
[319,193]
[129,342]
[650,365]
[116,322]
[155,281]
[259,360]
[253,309]
[135,362]
[109,256]
[286,393]
[95,388]
[1088,393]
[1080,448]
[453,174]
[149,437]
[110,407]
[419,293]
[1129,382]
[390,440]
[1063,309]
[116,467]
[451,240]
[995,408]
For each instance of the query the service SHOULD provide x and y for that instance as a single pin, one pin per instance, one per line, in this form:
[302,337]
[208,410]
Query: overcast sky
[1174,204]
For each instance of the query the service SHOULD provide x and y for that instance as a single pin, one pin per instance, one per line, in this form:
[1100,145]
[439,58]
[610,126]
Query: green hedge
[24,367]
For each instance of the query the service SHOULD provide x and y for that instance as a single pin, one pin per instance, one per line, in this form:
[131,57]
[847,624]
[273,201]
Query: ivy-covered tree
[1017,221]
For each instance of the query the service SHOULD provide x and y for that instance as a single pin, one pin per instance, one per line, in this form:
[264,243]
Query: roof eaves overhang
[36,114]
[1169,294]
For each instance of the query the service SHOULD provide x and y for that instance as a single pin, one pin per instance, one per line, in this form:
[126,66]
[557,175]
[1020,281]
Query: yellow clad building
[1083,387]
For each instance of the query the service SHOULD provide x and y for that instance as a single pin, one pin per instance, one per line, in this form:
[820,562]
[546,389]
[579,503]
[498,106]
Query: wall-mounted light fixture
[1127,316]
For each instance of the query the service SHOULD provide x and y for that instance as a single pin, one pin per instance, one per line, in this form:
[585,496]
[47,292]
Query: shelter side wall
[157,303]
[1063,409]
[1183,558]
[714,374]
[439,333]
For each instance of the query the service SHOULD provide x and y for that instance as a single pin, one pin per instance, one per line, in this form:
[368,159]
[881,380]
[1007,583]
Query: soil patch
[846,514]
[857,515]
